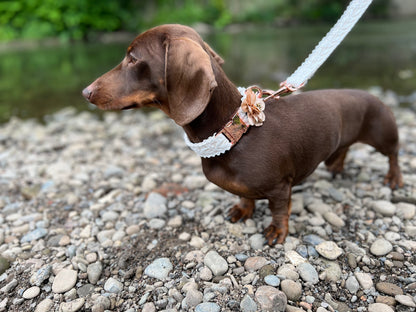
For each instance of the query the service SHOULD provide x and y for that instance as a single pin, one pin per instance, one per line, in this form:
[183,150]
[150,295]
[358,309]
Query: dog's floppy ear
[189,79]
[214,54]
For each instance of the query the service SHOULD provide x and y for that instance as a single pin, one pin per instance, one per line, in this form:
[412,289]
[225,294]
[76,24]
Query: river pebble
[364,279]
[379,307]
[44,306]
[381,247]
[34,235]
[334,219]
[192,299]
[384,207]
[159,268]
[405,300]
[406,210]
[72,306]
[329,250]
[255,263]
[292,289]
[31,292]
[94,271]
[256,241]
[217,264]
[207,307]
[308,273]
[113,286]
[272,280]
[389,288]
[248,304]
[64,281]
[155,206]
[271,299]
[352,285]
[41,275]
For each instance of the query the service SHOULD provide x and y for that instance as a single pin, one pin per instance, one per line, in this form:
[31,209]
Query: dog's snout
[87,93]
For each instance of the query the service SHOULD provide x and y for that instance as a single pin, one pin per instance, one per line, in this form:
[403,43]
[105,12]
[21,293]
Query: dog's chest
[227,180]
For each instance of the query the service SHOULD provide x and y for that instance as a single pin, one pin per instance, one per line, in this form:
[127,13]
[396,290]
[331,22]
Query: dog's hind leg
[383,136]
[394,177]
[335,162]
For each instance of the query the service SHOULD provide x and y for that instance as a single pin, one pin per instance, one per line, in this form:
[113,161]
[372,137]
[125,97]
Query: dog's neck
[224,102]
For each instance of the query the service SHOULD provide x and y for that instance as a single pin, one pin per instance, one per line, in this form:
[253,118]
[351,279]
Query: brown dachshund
[170,67]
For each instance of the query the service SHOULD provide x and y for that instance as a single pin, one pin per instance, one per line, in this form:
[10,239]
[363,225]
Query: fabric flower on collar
[253,105]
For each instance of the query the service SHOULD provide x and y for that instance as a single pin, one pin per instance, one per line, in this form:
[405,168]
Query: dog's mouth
[132,106]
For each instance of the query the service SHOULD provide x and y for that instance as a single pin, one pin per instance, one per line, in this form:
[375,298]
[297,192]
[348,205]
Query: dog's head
[169,67]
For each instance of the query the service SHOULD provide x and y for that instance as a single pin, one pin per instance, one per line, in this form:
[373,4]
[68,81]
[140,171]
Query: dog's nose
[87,93]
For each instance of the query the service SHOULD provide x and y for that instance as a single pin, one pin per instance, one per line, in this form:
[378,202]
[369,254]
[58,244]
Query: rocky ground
[114,214]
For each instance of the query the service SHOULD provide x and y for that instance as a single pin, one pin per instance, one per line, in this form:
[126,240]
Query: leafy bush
[75,19]
[65,18]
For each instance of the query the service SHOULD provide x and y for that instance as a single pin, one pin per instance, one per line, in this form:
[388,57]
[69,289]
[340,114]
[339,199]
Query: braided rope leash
[328,44]
[220,143]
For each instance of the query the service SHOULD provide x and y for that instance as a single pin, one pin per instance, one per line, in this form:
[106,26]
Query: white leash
[328,43]
[218,144]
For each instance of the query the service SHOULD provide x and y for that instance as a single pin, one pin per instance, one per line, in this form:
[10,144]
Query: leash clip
[285,87]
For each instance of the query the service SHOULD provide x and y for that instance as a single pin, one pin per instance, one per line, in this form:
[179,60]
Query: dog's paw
[336,169]
[237,213]
[394,181]
[276,234]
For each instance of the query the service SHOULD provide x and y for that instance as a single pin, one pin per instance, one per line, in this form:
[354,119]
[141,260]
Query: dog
[170,67]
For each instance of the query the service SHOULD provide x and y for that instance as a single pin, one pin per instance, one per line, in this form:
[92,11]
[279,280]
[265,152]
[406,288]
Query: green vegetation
[76,19]
[73,19]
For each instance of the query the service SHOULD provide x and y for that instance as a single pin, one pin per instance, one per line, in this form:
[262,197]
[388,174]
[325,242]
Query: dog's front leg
[280,205]
[242,211]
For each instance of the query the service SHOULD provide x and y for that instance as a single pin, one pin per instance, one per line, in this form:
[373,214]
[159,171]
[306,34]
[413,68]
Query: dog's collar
[250,113]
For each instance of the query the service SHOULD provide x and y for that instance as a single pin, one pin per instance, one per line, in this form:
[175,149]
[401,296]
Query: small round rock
[384,207]
[113,286]
[255,263]
[94,271]
[31,292]
[207,307]
[248,304]
[389,288]
[205,274]
[193,298]
[334,219]
[381,247]
[272,280]
[159,268]
[64,281]
[256,241]
[379,307]
[217,264]
[72,306]
[44,306]
[364,279]
[405,300]
[352,284]
[155,206]
[292,289]
[329,250]
[308,273]
[271,299]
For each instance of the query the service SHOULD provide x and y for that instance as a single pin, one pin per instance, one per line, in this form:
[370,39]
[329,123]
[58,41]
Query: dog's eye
[132,60]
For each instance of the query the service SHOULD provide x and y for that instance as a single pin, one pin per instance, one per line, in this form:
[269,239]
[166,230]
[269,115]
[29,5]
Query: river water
[39,81]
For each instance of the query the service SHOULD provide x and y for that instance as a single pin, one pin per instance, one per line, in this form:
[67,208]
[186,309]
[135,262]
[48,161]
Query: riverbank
[116,215]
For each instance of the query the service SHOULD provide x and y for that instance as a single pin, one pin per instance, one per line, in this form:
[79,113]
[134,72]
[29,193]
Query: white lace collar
[221,142]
